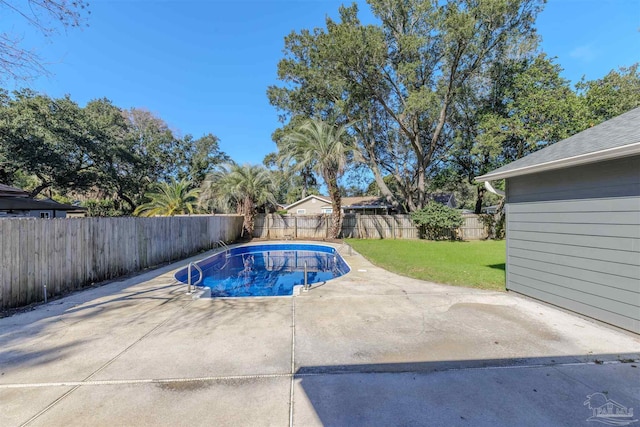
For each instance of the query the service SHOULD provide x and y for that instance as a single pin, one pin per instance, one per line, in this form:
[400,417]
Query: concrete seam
[293,359]
[51,405]
[281,375]
[142,381]
[105,365]
[117,356]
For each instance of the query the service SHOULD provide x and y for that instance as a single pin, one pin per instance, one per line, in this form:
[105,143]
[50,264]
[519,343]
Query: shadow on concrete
[525,392]
[27,359]
[451,365]
[25,335]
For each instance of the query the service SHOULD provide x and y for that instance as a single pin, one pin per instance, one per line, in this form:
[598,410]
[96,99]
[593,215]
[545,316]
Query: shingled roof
[615,138]
[26,203]
[7,191]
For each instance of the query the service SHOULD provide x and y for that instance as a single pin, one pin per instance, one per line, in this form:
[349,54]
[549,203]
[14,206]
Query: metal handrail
[197,267]
[226,261]
[305,288]
[225,246]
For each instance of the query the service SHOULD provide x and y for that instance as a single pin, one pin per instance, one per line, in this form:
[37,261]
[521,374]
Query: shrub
[103,208]
[437,221]
[494,224]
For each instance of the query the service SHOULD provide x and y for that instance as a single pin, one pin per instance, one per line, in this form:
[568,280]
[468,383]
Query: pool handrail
[305,288]
[225,246]
[197,267]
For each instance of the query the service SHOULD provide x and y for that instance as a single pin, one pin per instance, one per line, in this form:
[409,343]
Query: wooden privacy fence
[274,226]
[67,254]
[473,228]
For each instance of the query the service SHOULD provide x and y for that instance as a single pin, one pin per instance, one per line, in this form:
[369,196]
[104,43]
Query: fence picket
[275,226]
[67,254]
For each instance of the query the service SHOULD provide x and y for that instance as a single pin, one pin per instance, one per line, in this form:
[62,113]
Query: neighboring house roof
[25,203]
[312,196]
[444,198]
[369,202]
[441,198]
[7,191]
[615,138]
[365,202]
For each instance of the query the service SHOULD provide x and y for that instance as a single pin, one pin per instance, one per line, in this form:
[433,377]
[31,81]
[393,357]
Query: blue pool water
[267,270]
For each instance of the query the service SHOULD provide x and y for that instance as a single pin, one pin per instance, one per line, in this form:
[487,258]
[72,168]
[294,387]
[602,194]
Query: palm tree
[243,188]
[169,199]
[323,148]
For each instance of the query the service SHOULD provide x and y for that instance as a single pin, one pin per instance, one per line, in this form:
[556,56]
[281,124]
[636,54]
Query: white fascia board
[596,156]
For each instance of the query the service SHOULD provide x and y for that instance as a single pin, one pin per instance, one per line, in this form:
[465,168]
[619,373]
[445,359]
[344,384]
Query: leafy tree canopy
[169,199]
[96,151]
[325,149]
[243,188]
[396,83]
[612,95]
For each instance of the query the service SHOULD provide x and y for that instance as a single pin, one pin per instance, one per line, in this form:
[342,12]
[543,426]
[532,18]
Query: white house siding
[573,239]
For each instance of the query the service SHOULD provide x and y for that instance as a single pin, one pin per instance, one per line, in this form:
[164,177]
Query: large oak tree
[395,83]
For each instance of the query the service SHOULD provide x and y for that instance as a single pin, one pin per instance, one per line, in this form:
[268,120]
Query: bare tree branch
[18,62]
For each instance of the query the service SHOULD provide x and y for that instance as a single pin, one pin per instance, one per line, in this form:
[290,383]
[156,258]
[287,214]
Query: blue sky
[204,66]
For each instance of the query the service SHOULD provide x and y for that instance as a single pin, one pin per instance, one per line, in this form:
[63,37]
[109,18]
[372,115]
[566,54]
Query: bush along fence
[63,255]
[275,226]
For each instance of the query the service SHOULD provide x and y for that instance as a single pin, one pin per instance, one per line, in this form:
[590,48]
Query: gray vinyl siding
[573,239]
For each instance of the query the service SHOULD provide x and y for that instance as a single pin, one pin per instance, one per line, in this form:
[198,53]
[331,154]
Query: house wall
[311,207]
[13,214]
[573,239]
[48,213]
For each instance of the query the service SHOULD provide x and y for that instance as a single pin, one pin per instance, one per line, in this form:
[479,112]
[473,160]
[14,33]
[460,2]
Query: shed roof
[615,138]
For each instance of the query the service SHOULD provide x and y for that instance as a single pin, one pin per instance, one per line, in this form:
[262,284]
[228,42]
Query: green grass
[478,264]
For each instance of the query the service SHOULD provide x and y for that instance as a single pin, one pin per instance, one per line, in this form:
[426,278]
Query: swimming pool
[266,270]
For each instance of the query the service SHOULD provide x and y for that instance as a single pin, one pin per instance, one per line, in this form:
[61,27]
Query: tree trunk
[249,215]
[336,215]
[126,198]
[383,187]
[480,196]
[39,188]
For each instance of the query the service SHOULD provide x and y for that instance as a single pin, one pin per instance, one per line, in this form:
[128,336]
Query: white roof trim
[365,207]
[596,156]
[312,196]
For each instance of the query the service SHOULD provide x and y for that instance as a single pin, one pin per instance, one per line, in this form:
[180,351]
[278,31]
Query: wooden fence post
[326,233]
[266,222]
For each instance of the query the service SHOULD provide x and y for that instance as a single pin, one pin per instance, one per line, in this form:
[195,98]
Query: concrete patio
[369,348]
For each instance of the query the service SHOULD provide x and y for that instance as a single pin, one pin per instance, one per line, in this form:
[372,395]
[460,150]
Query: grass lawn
[477,264]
